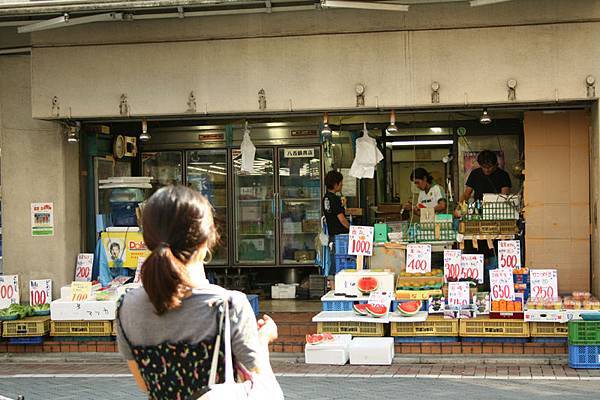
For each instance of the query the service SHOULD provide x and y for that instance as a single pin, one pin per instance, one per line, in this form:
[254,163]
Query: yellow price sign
[81,291]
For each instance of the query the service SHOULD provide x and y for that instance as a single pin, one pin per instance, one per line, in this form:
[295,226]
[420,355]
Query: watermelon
[376,310]
[360,309]
[315,339]
[367,284]
[410,308]
[328,337]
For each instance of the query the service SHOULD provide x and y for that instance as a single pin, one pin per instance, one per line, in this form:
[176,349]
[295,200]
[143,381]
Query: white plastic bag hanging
[367,156]
[248,152]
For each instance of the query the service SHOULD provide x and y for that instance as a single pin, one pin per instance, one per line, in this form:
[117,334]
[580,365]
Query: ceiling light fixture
[326,131]
[73,132]
[145,136]
[485,118]
[436,130]
[421,143]
[476,3]
[363,5]
[392,128]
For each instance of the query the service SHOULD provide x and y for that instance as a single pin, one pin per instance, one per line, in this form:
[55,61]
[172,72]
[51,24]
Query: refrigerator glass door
[166,167]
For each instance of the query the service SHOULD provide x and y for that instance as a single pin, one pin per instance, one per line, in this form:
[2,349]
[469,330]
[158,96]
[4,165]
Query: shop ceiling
[36,15]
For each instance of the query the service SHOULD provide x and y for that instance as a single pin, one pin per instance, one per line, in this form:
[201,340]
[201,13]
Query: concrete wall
[595,195]
[37,166]
[301,60]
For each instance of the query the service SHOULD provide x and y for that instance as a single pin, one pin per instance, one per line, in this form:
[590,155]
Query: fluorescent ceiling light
[421,143]
[363,5]
[64,21]
[475,3]
[436,130]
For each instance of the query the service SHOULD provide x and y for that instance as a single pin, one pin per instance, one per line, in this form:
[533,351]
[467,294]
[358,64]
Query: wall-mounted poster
[42,219]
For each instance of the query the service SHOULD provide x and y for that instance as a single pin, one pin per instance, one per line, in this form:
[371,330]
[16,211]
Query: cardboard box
[346,280]
[372,351]
[283,291]
[329,353]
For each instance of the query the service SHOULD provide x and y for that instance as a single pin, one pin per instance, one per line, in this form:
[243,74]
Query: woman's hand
[267,329]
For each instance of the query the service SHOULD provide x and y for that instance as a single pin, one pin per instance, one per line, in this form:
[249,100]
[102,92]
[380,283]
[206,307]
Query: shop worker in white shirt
[431,195]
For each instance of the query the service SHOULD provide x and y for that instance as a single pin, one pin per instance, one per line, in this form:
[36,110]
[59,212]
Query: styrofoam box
[64,310]
[345,281]
[330,353]
[283,291]
[372,351]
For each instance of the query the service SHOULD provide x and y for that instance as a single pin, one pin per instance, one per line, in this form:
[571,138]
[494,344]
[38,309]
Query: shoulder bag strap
[215,358]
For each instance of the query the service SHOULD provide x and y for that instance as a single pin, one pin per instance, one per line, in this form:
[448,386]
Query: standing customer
[167,329]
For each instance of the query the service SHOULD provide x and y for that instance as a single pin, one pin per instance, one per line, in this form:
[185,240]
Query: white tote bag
[258,387]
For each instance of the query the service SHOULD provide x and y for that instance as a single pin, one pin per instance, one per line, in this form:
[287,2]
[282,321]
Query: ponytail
[162,279]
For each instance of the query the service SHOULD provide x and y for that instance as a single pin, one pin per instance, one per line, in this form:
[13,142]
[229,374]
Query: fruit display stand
[548,330]
[347,322]
[331,302]
[431,326]
[26,327]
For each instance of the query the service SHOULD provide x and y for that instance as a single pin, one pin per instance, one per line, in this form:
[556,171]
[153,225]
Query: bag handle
[226,329]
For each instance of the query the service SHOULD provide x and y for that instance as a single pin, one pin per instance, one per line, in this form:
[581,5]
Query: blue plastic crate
[584,357]
[494,340]
[339,305]
[26,340]
[341,244]
[425,339]
[549,339]
[344,262]
[396,302]
[253,299]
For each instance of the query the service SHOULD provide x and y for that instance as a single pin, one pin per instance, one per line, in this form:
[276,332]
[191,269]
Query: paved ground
[55,379]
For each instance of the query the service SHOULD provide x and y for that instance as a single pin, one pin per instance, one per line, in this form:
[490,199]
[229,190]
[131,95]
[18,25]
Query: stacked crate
[584,344]
[342,259]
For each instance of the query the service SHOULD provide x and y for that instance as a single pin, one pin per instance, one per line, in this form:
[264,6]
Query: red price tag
[452,263]
[40,292]
[544,283]
[418,258]
[502,285]
[509,254]
[361,240]
[9,290]
[83,271]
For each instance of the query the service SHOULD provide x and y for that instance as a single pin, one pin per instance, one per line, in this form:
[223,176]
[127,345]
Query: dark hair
[176,222]
[487,157]
[114,244]
[333,178]
[421,173]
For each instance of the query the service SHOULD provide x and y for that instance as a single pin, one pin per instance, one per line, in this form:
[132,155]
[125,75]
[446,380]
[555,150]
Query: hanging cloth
[248,152]
[367,156]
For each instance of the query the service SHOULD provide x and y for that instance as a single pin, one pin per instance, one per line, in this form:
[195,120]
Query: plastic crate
[433,326]
[253,299]
[548,329]
[584,357]
[81,328]
[488,227]
[26,340]
[494,340]
[432,232]
[425,339]
[584,333]
[341,244]
[353,328]
[114,328]
[485,327]
[339,305]
[549,339]
[30,326]
[344,262]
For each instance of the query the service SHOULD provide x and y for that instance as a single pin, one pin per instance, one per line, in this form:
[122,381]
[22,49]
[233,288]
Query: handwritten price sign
[544,283]
[361,240]
[458,294]
[418,258]
[472,267]
[380,298]
[9,290]
[502,285]
[83,271]
[509,254]
[81,291]
[40,292]
[452,262]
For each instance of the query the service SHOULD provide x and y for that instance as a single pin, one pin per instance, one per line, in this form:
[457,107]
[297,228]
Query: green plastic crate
[584,333]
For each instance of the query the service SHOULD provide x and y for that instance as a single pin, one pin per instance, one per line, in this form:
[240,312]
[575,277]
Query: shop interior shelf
[584,357]
[434,326]
[81,328]
[353,328]
[485,327]
[584,332]
[30,326]
[548,329]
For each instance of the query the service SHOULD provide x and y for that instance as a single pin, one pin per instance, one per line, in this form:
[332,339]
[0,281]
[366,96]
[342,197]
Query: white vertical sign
[544,283]
[360,241]
[471,267]
[452,261]
[418,258]
[83,270]
[40,292]
[9,290]
[501,284]
[458,294]
[509,254]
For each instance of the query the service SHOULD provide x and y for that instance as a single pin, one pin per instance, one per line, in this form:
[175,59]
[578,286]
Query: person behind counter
[488,178]
[333,209]
[431,195]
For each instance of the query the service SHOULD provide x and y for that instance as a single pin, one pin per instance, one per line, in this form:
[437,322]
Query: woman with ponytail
[167,329]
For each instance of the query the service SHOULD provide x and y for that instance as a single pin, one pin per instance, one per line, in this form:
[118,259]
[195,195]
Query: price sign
[472,267]
[81,291]
[544,283]
[361,240]
[83,270]
[40,292]
[418,258]
[9,290]
[138,271]
[452,261]
[501,284]
[380,298]
[509,254]
[458,294]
